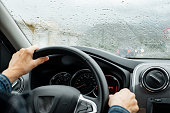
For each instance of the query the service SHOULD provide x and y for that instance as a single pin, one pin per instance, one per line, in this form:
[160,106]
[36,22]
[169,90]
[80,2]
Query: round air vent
[155,79]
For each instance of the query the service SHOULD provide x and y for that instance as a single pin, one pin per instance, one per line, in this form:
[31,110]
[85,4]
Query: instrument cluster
[85,82]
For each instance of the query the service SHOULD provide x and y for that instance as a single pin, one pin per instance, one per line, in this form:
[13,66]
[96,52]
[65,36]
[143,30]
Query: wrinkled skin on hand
[126,99]
[22,62]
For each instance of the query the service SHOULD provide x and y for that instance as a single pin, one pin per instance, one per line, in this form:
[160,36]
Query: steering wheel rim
[102,99]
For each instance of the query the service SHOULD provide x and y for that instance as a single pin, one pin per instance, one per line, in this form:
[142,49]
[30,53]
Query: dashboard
[148,79]
[67,70]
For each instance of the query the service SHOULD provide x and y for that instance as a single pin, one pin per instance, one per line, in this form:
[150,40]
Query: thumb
[40,60]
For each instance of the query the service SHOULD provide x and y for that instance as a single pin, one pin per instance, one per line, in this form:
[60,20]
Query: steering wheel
[66,99]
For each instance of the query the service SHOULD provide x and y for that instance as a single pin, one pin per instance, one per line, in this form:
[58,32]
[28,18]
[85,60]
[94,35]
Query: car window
[128,28]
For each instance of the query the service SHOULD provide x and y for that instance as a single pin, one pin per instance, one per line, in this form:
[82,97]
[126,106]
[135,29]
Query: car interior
[80,78]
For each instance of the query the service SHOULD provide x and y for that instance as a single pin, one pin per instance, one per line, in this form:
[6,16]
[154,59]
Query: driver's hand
[124,98]
[22,62]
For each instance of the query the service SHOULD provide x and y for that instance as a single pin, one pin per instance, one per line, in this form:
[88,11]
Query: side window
[6,51]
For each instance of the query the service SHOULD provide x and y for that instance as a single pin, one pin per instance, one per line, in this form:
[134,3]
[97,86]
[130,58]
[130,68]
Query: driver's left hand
[22,62]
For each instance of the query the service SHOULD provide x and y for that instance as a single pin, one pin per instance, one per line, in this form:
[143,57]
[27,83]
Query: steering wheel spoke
[86,105]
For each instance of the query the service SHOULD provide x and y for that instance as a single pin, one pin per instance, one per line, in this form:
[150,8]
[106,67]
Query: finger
[111,95]
[22,49]
[40,60]
[33,48]
[125,90]
[18,53]
[137,108]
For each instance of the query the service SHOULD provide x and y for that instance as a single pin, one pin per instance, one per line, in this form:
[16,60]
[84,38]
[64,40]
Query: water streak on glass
[128,28]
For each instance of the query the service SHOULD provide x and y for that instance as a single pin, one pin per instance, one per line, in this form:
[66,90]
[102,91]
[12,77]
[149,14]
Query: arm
[123,101]
[21,63]
[5,84]
[118,109]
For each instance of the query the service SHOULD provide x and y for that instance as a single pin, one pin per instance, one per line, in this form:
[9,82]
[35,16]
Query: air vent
[155,79]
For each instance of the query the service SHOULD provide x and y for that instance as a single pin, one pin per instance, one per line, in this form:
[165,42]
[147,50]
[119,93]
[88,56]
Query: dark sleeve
[118,109]
[5,84]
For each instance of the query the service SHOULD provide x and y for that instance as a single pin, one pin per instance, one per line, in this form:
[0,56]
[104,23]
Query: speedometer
[84,81]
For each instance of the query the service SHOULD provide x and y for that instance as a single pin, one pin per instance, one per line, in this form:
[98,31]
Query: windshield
[128,28]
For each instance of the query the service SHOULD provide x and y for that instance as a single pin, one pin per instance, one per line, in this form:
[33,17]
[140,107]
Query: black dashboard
[147,78]
[67,70]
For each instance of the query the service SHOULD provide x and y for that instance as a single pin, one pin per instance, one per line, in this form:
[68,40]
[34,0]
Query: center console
[151,84]
[158,105]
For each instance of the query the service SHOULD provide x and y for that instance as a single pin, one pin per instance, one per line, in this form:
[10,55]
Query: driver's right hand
[125,99]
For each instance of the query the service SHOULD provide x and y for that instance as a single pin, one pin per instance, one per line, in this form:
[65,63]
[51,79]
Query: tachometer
[84,81]
[61,78]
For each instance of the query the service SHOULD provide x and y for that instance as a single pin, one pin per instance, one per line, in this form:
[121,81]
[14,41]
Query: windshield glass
[128,28]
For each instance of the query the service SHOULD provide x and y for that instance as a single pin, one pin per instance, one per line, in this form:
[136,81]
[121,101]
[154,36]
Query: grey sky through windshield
[128,28]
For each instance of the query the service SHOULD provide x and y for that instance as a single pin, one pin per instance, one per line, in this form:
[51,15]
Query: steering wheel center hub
[55,98]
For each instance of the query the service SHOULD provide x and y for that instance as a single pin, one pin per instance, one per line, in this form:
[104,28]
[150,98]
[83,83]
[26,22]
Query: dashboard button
[89,108]
[158,100]
[82,106]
